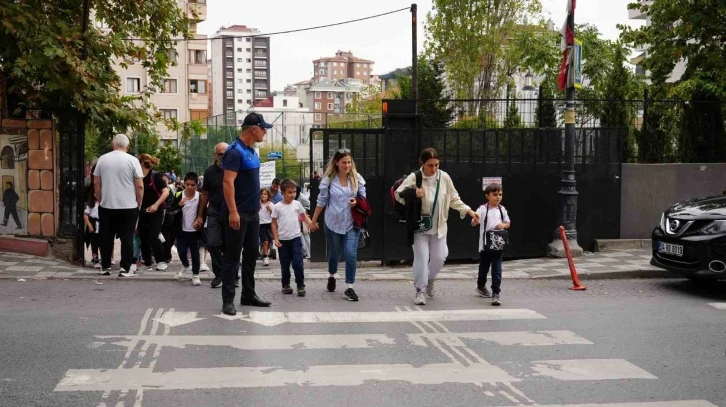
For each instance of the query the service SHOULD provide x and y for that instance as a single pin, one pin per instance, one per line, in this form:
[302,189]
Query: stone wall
[27,158]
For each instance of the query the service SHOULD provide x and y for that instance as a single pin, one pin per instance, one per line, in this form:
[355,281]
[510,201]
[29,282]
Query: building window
[318,95]
[229,54]
[357,72]
[249,80]
[239,49]
[249,90]
[239,70]
[239,60]
[230,84]
[284,102]
[248,39]
[239,39]
[230,93]
[198,57]
[322,72]
[197,86]
[168,113]
[330,106]
[318,105]
[249,71]
[330,95]
[133,85]
[239,100]
[230,74]
[318,116]
[239,90]
[335,72]
[248,50]
[240,80]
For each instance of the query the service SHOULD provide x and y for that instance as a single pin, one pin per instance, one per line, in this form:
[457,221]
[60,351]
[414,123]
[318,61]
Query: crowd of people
[226,213]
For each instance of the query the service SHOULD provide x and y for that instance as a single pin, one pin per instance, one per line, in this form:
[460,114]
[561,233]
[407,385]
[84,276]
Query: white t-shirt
[189,212]
[265,215]
[288,219]
[118,172]
[429,183]
[92,213]
[493,219]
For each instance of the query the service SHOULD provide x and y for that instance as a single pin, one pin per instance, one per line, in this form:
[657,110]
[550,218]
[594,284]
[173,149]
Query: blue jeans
[340,245]
[495,260]
[291,253]
[188,241]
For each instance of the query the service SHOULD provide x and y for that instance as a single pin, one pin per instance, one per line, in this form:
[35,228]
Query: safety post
[573,272]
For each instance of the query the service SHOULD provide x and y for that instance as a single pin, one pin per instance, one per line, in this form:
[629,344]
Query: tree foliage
[52,66]
[170,159]
[433,105]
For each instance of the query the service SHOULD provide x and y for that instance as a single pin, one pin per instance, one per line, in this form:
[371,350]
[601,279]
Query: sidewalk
[604,265]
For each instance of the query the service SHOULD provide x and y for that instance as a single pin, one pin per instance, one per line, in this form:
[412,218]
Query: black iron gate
[529,161]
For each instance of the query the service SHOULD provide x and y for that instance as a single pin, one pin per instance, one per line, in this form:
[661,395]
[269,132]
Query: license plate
[669,248]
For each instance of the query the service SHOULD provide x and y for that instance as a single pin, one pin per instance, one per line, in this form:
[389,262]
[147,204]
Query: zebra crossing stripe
[520,338]
[589,369]
[718,305]
[260,342]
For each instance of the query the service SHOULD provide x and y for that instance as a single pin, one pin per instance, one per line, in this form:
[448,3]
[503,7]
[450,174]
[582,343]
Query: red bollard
[573,272]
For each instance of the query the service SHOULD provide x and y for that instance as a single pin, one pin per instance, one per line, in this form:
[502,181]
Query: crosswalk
[459,362]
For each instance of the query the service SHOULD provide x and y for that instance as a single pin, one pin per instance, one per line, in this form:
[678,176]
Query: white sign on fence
[490,180]
[267,173]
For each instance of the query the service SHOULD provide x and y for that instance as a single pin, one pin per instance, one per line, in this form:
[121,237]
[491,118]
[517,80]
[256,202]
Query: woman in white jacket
[437,194]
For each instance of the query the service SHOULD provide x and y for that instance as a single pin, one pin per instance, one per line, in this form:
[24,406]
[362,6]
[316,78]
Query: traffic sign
[274,155]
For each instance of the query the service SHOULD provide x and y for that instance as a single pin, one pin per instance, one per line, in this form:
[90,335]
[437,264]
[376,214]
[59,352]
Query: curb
[604,245]
[612,275]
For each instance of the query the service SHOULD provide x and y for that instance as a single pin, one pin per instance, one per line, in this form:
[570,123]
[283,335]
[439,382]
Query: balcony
[259,54]
[198,70]
[638,14]
[199,43]
[259,74]
[260,44]
[261,85]
[198,8]
[261,64]
[198,101]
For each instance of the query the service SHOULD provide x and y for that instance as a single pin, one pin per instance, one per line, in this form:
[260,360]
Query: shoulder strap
[436,196]
[501,213]
[419,178]
[486,216]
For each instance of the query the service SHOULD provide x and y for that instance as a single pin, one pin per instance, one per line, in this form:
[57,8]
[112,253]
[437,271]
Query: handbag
[495,240]
[425,223]
[365,238]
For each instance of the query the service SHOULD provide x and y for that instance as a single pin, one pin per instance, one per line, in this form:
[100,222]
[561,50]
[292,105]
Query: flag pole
[567,195]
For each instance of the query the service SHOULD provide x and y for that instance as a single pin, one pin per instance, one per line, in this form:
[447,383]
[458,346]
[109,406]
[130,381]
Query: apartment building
[240,69]
[291,122]
[642,50]
[344,65]
[183,95]
[326,98]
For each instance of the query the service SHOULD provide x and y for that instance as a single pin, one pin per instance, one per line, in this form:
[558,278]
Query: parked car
[691,239]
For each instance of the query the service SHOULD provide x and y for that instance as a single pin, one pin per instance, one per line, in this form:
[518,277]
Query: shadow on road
[715,290]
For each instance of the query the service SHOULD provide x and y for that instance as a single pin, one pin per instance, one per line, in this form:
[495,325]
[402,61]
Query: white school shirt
[288,219]
[93,213]
[189,212]
[494,218]
[265,215]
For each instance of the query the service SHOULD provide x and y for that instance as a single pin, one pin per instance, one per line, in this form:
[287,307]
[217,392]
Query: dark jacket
[10,197]
[413,212]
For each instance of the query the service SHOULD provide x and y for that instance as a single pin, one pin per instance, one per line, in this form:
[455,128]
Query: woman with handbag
[493,241]
[340,189]
[437,194]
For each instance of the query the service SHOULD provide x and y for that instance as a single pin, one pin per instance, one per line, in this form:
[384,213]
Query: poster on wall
[490,180]
[267,174]
[13,175]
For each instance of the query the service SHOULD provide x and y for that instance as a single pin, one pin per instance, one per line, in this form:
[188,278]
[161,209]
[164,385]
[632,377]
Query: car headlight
[715,228]
[662,222]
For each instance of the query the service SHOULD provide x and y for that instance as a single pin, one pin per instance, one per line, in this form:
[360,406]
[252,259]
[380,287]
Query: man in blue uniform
[241,187]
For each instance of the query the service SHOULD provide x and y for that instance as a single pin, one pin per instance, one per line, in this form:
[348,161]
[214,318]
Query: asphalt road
[127,343]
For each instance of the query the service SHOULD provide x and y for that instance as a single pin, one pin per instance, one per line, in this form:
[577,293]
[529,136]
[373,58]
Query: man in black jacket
[10,200]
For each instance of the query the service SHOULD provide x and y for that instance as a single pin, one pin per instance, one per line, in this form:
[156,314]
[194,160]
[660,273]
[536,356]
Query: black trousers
[12,210]
[168,232]
[121,222]
[244,241]
[149,229]
[216,240]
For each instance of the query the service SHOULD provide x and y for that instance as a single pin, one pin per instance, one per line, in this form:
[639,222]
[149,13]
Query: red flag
[562,77]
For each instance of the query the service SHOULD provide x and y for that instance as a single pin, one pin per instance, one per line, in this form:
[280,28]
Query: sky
[385,40]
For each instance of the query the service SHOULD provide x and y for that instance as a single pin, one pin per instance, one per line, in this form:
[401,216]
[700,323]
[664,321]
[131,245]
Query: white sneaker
[420,298]
[204,267]
[161,266]
[113,263]
[127,274]
[196,281]
[97,265]
[265,261]
[430,291]
[133,268]
[183,274]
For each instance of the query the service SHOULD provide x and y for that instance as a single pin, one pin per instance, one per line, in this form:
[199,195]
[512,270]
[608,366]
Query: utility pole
[414,56]
[80,144]
[567,210]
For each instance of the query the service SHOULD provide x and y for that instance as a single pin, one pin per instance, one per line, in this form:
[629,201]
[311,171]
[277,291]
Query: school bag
[169,199]
[399,207]
[495,240]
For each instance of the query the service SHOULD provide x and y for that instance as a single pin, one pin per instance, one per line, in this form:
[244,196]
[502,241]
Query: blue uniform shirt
[243,160]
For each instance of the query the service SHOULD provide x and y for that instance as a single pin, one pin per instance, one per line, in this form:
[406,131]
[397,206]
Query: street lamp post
[567,195]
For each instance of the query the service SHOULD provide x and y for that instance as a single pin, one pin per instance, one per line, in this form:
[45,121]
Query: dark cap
[256,119]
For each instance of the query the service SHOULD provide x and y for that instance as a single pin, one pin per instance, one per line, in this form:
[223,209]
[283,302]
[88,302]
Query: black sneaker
[228,309]
[217,282]
[286,289]
[331,284]
[301,291]
[351,295]
[483,292]
[496,301]
[105,272]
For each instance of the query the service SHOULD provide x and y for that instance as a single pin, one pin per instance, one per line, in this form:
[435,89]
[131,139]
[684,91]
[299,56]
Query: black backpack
[399,207]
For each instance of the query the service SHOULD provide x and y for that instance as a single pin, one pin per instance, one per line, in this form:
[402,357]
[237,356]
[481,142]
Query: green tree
[170,159]
[144,142]
[51,65]
[546,116]
[512,120]
[433,104]
[470,39]
[288,166]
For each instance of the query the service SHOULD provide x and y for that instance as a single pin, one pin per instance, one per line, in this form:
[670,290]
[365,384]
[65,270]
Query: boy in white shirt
[188,238]
[286,217]
[493,217]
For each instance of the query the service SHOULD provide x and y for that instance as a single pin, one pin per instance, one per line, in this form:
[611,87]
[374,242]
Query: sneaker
[113,263]
[105,272]
[430,289]
[496,301]
[286,289]
[196,281]
[483,292]
[127,274]
[351,295]
[301,291]
[149,268]
[420,298]
[161,266]
[266,261]
[133,268]
[217,282]
[182,274]
[97,265]
[204,267]
[331,284]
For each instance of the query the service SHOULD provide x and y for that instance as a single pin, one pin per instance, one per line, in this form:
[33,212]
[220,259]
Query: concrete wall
[648,189]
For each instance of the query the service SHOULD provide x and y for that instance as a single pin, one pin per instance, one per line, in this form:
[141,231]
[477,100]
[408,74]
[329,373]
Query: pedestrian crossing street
[452,356]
